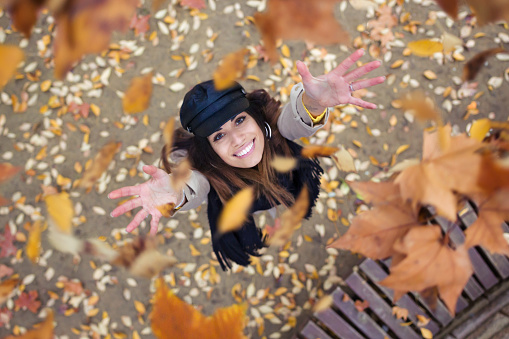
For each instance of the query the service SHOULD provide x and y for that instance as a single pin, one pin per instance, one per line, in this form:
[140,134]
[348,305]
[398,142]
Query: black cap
[205,109]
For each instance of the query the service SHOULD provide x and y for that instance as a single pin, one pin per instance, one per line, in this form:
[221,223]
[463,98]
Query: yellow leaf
[344,160]
[291,219]
[169,128]
[235,210]
[6,287]
[34,242]
[10,57]
[312,151]
[45,85]
[138,305]
[231,68]
[137,97]
[283,164]
[323,304]
[285,51]
[429,74]
[401,149]
[397,63]
[426,334]
[100,163]
[480,128]
[194,251]
[60,210]
[425,48]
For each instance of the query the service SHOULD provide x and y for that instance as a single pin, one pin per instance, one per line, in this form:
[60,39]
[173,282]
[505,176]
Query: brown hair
[225,179]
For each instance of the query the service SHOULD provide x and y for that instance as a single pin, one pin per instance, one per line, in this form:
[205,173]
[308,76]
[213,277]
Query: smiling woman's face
[239,142]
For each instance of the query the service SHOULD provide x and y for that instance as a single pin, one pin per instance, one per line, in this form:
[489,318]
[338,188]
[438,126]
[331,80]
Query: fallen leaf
[137,97]
[140,24]
[10,57]
[6,287]
[450,42]
[425,48]
[28,301]
[194,4]
[7,171]
[7,247]
[289,19]
[235,211]
[34,242]
[101,162]
[473,66]
[426,334]
[344,160]
[60,210]
[312,151]
[283,164]
[430,262]
[323,304]
[480,129]
[381,27]
[400,312]
[173,318]
[360,306]
[43,331]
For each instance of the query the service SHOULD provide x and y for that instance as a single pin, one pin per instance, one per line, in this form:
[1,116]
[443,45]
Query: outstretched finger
[124,192]
[364,69]
[127,206]
[361,103]
[155,172]
[138,218]
[303,70]
[367,83]
[348,62]
[154,223]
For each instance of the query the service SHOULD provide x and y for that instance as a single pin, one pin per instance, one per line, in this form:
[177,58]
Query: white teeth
[245,150]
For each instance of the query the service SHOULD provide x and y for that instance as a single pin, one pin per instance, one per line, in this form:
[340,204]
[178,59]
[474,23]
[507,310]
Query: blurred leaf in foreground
[7,171]
[232,68]
[473,66]
[10,57]
[235,211]
[101,162]
[137,97]
[43,331]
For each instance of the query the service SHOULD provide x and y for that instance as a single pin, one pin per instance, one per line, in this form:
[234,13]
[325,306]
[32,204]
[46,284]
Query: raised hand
[336,87]
[155,192]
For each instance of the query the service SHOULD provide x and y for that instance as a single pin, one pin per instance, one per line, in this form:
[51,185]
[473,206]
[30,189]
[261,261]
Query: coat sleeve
[197,186]
[294,122]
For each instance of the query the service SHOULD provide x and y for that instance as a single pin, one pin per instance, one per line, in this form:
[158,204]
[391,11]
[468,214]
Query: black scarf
[239,245]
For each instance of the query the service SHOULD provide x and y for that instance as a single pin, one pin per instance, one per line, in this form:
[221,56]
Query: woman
[230,139]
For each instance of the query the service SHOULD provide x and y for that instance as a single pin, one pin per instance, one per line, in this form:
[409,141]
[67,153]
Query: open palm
[155,192]
[336,87]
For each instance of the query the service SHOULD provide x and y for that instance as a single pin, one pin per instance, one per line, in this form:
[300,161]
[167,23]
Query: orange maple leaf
[173,318]
[430,262]
[313,21]
[137,97]
[443,171]
[373,233]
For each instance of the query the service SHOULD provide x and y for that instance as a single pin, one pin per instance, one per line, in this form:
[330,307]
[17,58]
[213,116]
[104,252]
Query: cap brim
[220,117]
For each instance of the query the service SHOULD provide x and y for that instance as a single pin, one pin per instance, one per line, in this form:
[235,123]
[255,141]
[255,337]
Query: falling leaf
[489,11]
[60,210]
[450,7]
[173,318]
[43,331]
[101,162]
[34,242]
[480,129]
[180,174]
[67,243]
[344,160]
[421,107]
[430,262]
[141,257]
[194,4]
[291,219]
[312,151]
[473,66]
[168,131]
[235,210]
[231,68]
[290,20]
[425,48]
[24,15]
[137,97]
[10,57]
[283,164]
[400,312]
[6,287]
[85,28]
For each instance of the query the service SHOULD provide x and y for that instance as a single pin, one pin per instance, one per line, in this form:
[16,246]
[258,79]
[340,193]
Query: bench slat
[313,331]
[337,325]
[376,274]
[360,319]
[379,306]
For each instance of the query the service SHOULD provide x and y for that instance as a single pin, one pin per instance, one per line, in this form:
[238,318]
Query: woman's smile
[246,151]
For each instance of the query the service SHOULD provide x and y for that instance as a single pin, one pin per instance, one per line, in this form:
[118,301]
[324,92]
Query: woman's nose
[237,138]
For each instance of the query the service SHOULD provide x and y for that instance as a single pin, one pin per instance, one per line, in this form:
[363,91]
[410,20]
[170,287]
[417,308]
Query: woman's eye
[240,120]
[218,136]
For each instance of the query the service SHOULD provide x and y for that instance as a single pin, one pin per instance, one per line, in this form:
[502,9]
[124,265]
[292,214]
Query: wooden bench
[490,281]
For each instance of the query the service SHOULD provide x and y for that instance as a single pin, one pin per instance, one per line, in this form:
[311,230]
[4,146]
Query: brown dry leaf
[369,236]
[86,27]
[169,129]
[422,320]
[313,151]
[6,287]
[7,171]
[344,160]
[431,182]
[10,57]
[489,11]
[34,242]
[400,312]
[283,164]
[487,230]
[425,48]
[290,19]
[381,27]
[235,210]
[173,318]
[426,334]
[43,330]
[450,42]
[180,174]
[473,65]
[430,262]
[361,305]
[137,97]
[231,68]
[421,106]
[101,162]
[450,7]
[291,219]
[60,210]
[141,257]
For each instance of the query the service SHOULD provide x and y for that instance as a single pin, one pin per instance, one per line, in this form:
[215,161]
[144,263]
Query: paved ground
[281,297]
